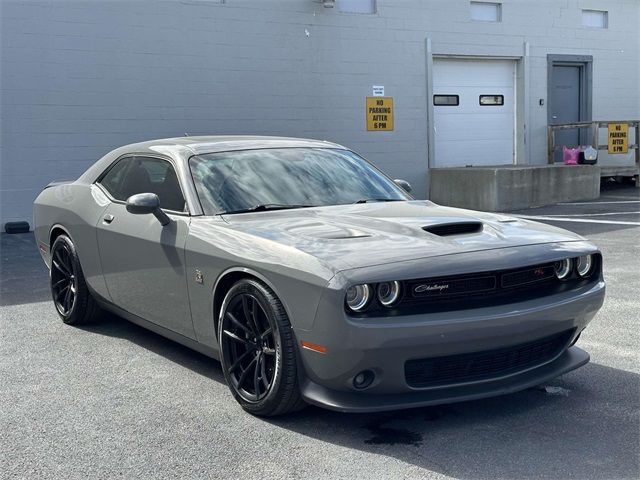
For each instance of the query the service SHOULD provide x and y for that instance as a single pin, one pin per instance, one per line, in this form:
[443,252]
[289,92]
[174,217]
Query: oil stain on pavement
[387,435]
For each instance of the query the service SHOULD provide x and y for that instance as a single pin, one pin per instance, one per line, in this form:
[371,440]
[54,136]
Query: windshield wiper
[365,200]
[263,207]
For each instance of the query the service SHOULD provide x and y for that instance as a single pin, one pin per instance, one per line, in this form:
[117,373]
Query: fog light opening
[363,379]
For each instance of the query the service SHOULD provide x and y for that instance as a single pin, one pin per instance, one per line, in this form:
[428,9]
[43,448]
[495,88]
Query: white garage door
[474,110]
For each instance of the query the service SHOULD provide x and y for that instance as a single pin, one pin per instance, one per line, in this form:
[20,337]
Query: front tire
[69,290]
[257,350]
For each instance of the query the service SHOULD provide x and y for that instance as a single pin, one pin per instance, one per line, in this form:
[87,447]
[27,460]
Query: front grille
[453,287]
[467,367]
[479,290]
[530,275]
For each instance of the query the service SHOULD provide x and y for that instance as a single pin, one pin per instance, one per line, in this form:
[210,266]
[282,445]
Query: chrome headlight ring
[358,297]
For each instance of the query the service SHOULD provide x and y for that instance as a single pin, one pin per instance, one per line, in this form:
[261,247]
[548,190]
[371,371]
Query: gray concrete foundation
[504,188]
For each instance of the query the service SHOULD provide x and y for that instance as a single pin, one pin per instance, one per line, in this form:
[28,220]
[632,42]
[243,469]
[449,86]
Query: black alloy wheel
[64,282]
[257,350]
[250,347]
[70,292]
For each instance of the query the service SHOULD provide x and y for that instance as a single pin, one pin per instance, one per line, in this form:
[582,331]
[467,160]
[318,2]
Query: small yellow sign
[618,137]
[380,113]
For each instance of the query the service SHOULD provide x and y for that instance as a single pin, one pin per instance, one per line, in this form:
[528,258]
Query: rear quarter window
[113,179]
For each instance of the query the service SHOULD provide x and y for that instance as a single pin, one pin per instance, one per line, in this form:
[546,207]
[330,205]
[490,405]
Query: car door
[143,261]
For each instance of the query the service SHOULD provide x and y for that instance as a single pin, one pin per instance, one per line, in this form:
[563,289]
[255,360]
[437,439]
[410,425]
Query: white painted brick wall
[81,78]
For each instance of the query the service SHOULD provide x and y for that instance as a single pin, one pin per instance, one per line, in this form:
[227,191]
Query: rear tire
[69,290]
[257,350]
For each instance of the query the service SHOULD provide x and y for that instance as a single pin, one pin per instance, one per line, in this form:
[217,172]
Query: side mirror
[145,203]
[403,184]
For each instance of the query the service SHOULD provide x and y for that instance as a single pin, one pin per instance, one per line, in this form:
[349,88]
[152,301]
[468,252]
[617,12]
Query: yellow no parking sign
[379,113]
[618,137]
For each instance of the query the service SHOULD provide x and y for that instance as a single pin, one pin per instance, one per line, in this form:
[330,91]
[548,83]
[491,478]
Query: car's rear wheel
[70,293]
[257,350]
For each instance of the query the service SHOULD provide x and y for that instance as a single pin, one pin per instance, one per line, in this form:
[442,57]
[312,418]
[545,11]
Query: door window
[446,100]
[134,175]
[492,100]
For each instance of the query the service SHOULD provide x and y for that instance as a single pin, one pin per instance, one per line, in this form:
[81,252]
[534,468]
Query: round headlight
[388,293]
[585,263]
[358,297]
[563,268]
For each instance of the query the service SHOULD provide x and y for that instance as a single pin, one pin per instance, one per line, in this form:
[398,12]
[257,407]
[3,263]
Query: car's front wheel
[70,293]
[257,350]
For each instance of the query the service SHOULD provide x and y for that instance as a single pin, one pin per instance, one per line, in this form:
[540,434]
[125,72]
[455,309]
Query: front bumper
[359,402]
[384,345]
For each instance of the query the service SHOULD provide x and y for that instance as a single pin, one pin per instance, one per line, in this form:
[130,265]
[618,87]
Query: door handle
[108,218]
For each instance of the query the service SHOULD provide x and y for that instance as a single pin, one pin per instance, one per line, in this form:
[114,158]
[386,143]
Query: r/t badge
[199,277]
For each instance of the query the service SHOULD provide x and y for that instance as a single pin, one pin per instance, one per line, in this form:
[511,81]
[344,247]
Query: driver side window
[134,175]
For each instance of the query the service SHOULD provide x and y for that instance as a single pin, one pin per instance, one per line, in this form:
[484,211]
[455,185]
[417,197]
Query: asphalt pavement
[114,400]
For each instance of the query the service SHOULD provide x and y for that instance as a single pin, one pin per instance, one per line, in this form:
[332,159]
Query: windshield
[253,180]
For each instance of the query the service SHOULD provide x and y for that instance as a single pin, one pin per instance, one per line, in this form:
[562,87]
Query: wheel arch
[55,232]
[228,278]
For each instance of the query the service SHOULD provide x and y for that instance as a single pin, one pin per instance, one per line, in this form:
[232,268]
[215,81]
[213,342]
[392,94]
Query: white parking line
[593,214]
[576,220]
[598,203]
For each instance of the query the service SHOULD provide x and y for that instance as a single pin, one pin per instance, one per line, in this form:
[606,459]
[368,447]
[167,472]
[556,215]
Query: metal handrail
[594,126]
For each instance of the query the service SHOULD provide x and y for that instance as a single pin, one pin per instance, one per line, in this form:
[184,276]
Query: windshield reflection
[241,180]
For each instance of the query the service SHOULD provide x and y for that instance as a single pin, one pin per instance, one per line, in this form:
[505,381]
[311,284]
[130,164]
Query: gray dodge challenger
[313,277]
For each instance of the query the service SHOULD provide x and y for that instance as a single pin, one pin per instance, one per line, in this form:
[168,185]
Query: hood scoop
[457,228]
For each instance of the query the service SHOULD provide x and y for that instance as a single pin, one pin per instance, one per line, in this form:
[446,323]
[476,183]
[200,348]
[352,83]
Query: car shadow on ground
[581,425]
[112,325]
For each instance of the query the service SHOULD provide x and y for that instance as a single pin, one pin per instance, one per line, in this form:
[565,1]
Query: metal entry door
[565,103]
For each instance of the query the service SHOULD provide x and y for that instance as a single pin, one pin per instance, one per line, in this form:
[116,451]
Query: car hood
[353,236]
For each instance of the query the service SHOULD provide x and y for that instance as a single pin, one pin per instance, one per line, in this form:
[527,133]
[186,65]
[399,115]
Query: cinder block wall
[81,78]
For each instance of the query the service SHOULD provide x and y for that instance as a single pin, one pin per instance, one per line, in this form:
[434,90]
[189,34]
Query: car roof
[182,148]
[222,143]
